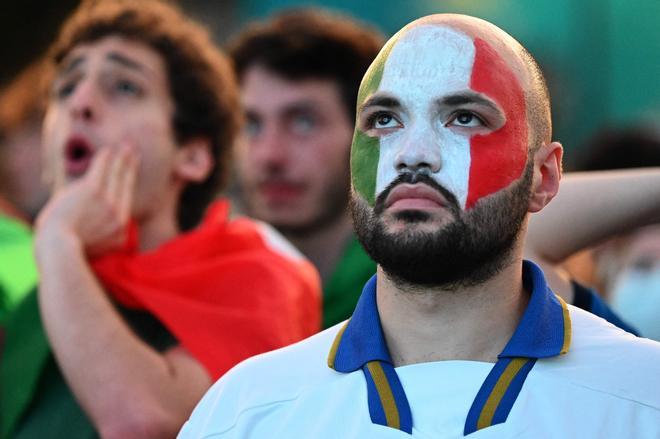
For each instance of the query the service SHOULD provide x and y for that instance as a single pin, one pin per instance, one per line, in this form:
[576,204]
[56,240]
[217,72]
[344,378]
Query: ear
[547,173]
[194,160]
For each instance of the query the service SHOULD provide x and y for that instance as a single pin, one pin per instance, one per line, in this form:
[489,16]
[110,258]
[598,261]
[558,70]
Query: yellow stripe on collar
[385,394]
[567,327]
[335,346]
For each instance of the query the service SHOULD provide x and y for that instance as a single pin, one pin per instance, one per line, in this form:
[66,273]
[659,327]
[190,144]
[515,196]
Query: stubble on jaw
[468,249]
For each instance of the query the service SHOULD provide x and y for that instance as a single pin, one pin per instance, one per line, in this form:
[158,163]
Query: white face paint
[439,60]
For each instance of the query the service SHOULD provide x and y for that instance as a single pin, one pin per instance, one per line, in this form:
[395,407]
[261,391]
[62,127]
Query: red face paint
[498,158]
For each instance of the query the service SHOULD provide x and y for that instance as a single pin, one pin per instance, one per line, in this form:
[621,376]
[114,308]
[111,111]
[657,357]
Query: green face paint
[365,150]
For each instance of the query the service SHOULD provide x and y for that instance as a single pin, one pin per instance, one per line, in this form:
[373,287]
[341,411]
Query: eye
[252,127]
[65,90]
[465,119]
[302,124]
[382,120]
[126,87]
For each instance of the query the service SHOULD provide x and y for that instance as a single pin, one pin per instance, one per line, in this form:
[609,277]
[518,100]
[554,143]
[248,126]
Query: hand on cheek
[93,211]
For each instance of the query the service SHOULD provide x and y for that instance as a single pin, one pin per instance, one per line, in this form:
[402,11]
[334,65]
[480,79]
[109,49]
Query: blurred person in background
[299,74]
[22,189]
[145,295]
[597,205]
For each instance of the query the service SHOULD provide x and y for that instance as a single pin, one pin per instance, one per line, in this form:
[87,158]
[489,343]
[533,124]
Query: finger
[126,188]
[116,173]
[99,168]
[57,174]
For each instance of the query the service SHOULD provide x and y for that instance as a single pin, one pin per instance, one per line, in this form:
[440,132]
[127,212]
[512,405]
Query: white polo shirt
[565,373]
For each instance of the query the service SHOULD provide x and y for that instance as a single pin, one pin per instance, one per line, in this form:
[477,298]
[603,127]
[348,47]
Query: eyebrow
[304,106]
[124,61]
[381,101]
[71,65]
[112,56]
[467,97]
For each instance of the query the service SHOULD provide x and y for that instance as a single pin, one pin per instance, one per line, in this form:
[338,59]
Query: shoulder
[604,358]
[272,378]
[263,249]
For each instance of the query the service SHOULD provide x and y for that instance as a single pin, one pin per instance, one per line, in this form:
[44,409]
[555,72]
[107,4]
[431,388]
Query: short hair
[201,81]
[310,44]
[537,102]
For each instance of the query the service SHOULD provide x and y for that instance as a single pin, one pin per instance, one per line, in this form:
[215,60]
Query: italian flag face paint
[419,67]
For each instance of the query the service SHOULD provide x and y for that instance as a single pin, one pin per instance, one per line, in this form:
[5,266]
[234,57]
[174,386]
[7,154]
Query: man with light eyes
[456,335]
[145,296]
[299,74]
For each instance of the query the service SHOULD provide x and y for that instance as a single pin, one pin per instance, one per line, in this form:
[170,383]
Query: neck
[156,229]
[324,247]
[473,323]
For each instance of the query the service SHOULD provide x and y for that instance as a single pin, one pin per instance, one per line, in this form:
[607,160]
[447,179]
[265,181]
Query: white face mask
[636,298]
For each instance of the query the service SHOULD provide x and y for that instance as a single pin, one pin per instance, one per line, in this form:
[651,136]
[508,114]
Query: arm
[127,388]
[590,207]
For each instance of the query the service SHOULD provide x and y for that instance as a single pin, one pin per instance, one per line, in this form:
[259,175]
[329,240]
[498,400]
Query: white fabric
[607,386]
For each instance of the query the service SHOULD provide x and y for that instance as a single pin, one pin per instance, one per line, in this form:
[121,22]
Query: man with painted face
[456,335]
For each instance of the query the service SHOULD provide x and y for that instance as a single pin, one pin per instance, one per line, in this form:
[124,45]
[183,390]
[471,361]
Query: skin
[481,319]
[114,94]
[23,184]
[292,161]
[597,205]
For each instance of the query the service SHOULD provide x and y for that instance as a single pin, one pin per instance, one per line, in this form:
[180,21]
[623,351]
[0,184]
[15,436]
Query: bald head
[519,60]
[455,97]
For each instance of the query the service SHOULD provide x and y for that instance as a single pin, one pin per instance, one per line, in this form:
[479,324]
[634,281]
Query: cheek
[499,158]
[364,165]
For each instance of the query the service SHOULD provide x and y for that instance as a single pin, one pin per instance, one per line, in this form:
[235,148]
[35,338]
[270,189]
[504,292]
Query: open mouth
[78,156]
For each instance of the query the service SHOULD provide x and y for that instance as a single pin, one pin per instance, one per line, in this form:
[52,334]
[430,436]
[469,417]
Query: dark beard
[470,249]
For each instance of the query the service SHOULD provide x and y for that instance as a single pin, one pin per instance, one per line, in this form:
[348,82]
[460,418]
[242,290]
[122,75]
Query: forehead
[429,59]
[116,51]
[263,90]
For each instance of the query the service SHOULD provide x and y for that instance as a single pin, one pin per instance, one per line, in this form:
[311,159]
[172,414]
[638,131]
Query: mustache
[414,178]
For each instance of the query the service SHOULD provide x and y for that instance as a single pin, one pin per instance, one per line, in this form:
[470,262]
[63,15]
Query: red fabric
[220,289]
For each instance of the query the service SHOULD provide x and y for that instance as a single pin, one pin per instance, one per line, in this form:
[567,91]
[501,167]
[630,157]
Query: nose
[84,103]
[269,148]
[418,152]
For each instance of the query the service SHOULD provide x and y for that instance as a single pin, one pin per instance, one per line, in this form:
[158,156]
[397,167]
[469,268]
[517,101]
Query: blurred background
[601,57]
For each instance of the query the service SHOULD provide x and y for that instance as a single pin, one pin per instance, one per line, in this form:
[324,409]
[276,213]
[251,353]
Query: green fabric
[35,401]
[24,354]
[343,289]
[18,273]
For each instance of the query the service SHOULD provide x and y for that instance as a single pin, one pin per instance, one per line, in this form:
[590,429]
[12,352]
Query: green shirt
[35,401]
[343,289]
[18,272]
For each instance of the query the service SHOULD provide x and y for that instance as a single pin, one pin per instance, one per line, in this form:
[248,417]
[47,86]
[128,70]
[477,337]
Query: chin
[421,220]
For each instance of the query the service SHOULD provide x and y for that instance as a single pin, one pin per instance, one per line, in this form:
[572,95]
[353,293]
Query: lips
[278,192]
[414,196]
[78,154]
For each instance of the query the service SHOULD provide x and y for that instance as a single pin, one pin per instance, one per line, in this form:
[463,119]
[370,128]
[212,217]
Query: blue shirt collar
[543,331]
